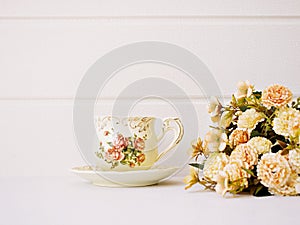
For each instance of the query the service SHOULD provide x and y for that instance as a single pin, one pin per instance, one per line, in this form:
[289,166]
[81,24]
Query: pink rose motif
[120,142]
[114,154]
[139,144]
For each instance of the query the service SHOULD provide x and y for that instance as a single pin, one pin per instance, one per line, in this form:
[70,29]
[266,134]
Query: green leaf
[257,94]
[243,108]
[197,165]
[256,181]
[258,189]
[249,172]
[233,100]
[261,191]
[255,133]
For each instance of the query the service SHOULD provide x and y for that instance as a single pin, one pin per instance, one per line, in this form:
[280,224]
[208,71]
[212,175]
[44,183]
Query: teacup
[131,143]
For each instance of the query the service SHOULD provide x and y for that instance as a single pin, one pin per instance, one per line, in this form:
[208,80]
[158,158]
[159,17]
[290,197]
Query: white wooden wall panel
[47,59]
[149,8]
[47,46]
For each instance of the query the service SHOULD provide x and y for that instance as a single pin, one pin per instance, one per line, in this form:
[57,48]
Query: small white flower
[214,164]
[245,89]
[226,119]
[216,140]
[222,183]
[214,108]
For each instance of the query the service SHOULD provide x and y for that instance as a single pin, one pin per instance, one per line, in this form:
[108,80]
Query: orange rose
[141,158]
[238,137]
[276,95]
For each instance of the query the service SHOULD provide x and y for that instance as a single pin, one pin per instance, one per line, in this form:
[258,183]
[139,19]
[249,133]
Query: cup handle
[178,136]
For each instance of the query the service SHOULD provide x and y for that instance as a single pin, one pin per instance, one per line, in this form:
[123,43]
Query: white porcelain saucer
[136,178]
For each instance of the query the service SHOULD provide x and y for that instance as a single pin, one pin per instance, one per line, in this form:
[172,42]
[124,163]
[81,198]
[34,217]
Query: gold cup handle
[178,129]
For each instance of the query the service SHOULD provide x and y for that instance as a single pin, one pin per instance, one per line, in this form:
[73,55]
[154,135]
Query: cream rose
[273,170]
[249,119]
[294,159]
[231,178]
[245,156]
[289,188]
[287,122]
[260,144]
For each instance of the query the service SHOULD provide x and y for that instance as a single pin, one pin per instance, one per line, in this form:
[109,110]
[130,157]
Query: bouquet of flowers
[254,146]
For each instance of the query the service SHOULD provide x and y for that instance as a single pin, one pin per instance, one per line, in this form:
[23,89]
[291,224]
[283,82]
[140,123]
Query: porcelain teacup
[131,143]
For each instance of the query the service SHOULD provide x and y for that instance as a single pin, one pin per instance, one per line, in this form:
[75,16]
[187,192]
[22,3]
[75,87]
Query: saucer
[135,178]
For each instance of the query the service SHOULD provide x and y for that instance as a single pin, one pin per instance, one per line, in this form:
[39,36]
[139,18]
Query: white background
[47,46]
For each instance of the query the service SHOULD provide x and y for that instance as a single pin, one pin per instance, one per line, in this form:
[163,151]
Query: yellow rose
[260,144]
[249,119]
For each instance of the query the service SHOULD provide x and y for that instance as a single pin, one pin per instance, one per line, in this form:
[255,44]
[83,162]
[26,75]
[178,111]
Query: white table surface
[71,200]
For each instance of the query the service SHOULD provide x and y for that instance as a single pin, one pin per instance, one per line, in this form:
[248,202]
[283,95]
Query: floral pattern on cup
[123,150]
